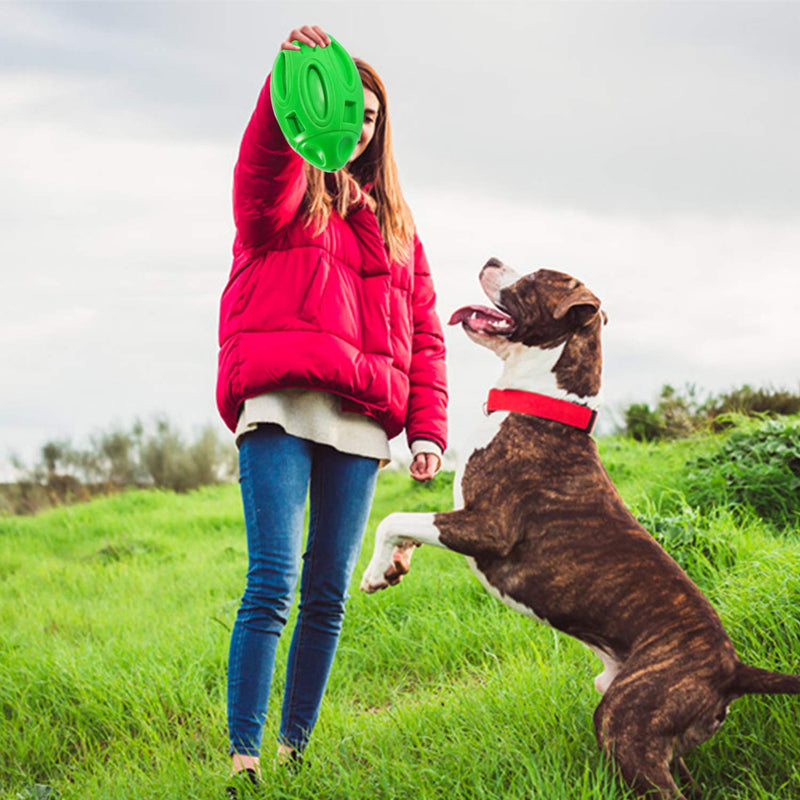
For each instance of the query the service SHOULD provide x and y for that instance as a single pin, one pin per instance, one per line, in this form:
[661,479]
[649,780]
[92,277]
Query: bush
[170,463]
[757,468]
[752,402]
[157,457]
[680,413]
[677,415]
[642,423]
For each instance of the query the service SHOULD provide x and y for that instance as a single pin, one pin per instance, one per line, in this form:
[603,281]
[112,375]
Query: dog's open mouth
[484,320]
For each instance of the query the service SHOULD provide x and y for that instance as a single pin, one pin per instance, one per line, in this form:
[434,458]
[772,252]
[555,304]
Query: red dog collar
[540,405]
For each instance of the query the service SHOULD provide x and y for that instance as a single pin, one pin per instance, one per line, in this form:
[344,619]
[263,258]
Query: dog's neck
[570,371]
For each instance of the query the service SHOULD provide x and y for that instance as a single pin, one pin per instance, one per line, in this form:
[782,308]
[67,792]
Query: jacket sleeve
[269,178]
[427,404]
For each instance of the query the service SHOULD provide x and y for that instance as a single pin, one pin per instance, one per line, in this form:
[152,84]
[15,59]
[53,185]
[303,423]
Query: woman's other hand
[424,466]
[312,35]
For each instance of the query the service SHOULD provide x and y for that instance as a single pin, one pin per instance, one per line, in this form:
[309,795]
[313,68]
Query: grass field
[115,618]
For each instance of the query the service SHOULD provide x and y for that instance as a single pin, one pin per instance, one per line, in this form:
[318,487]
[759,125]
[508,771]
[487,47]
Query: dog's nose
[492,263]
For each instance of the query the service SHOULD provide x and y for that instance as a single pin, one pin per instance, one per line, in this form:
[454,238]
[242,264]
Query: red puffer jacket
[327,312]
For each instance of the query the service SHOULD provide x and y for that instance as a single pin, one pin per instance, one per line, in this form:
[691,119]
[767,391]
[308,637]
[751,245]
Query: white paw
[373,579]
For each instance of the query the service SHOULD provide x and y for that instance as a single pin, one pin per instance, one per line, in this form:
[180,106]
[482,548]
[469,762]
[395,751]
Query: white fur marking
[611,668]
[530,369]
[513,604]
[396,529]
[494,279]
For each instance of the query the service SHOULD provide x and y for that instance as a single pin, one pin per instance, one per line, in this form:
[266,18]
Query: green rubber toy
[318,100]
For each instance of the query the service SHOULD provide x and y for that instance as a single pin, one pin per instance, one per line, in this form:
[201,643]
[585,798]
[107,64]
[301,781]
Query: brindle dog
[547,533]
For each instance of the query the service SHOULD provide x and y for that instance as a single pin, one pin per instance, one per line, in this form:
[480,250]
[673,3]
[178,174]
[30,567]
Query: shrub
[642,423]
[758,468]
[752,402]
[170,463]
[158,456]
[680,413]
[677,415]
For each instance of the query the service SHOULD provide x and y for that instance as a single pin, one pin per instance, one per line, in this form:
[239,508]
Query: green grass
[115,618]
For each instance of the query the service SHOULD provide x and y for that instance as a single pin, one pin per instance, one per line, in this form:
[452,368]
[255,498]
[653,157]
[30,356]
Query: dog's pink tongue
[475,311]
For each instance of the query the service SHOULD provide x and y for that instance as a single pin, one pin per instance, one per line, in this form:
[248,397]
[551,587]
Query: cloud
[19,335]
[690,300]
[649,149]
[115,244]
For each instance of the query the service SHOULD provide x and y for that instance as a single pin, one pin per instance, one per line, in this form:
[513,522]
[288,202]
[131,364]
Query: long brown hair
[376,166]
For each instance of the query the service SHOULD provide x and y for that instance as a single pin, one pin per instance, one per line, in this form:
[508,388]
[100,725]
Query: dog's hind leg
[629,739]
[689,779]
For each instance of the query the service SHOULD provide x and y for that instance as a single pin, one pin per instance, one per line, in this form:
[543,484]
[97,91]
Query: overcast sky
[650,149]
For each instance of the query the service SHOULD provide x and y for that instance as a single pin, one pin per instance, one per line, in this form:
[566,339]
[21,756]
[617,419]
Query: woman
[330,346]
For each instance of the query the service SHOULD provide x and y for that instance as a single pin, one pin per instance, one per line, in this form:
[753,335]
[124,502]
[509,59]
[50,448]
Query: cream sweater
[318,416]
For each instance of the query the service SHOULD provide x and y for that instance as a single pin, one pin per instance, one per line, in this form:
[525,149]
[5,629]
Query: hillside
[115,618]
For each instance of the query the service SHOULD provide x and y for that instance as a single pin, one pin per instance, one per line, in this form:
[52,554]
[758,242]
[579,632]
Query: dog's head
[541,311]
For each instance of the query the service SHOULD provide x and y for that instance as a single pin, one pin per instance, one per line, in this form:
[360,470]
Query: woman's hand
[424,466]
[312,35]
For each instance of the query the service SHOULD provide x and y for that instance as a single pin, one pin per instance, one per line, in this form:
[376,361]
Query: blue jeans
[276,472]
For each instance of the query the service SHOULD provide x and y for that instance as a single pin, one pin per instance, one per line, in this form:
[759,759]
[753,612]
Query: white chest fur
[533,369]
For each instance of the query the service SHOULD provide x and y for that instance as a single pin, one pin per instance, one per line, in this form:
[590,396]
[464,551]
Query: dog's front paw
[373,580]
[401,562]
[377,577]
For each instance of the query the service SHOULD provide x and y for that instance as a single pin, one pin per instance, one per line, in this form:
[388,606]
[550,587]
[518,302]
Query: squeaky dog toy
[318,100]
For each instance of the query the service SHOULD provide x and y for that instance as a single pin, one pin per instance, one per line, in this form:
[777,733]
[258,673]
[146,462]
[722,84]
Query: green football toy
[318,101]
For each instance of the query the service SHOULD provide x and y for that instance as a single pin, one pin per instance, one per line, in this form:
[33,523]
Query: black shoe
[294,763]
[246,781]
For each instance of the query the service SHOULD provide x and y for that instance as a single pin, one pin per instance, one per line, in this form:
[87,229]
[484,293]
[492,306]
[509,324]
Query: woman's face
[372,108]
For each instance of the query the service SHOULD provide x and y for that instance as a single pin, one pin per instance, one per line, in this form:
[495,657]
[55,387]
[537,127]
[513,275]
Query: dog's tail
[752,680]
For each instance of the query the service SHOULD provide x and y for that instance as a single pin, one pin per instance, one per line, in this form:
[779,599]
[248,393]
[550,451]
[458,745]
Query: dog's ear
[583,305]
